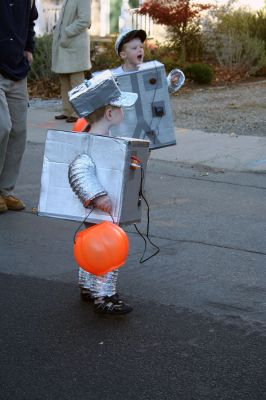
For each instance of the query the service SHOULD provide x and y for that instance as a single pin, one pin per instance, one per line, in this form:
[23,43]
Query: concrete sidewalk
[214,150]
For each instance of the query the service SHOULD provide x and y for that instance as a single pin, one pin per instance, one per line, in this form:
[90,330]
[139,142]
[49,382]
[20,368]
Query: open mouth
[139,57]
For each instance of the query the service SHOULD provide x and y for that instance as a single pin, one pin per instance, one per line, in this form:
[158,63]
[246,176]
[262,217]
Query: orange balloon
[79,125]
[101,248]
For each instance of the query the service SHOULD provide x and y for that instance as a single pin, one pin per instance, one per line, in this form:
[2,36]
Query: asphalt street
[198,329]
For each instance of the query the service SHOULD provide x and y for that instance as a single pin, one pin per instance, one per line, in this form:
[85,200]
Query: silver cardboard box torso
[151,116]
[112,157]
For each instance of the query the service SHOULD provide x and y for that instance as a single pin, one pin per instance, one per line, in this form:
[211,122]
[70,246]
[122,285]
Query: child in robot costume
[103,109]
[129,46]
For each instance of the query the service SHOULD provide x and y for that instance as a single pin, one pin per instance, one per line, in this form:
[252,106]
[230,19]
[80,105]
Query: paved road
[198,330]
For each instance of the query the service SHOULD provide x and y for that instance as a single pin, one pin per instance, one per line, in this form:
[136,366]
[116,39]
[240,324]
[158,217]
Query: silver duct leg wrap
[100,286]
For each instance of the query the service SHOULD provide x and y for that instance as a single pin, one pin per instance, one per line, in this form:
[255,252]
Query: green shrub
[103,55]
[239,52]
[237,40]
[200,73]
[42,59]
[258,28]
[244,22]
[164,54]
[246,54]
[170,62]
[191,46]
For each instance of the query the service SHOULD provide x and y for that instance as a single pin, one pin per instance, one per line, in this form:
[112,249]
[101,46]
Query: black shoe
[61,116]
[86,295]
[112,305]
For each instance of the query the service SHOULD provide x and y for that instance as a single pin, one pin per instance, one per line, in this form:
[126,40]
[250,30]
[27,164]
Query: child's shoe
[86,295]
[111,305]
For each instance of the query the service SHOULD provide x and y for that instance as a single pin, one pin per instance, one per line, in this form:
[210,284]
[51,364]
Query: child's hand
[103,203]
[174,79]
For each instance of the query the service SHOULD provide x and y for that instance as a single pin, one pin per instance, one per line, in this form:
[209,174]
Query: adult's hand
[29,56]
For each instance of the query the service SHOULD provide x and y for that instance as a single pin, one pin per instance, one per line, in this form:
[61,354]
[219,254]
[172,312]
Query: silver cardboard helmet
[100,91]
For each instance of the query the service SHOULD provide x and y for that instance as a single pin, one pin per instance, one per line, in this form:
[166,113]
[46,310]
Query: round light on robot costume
[101,248]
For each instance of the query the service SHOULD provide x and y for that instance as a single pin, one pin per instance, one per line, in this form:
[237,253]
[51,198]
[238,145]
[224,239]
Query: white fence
[153,30]
[49,16]
[141,22]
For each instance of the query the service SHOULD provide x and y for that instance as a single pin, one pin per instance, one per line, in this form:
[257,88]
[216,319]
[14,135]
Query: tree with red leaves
[180,16]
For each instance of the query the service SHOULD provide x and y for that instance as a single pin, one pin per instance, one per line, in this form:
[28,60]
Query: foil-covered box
[150,118]
[112,157]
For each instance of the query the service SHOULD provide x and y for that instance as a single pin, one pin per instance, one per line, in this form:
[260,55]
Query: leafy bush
[258,27]
[194,42]
[42,81]
[164,54]
[42,59]
[200,73]
[242,21]
[237,40]
[241,53]
[103,55]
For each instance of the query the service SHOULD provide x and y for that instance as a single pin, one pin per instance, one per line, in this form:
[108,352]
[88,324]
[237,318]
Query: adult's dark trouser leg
[68,82]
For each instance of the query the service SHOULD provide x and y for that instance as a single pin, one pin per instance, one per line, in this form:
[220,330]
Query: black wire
[112,218]
[142,260]
[83,222]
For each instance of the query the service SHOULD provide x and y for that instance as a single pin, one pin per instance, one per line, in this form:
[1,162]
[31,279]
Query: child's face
[133,52]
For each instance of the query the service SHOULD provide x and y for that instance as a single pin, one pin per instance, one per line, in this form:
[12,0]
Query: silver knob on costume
[175,80]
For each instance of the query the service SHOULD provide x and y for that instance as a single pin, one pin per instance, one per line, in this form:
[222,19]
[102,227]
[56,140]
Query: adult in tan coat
[71,49]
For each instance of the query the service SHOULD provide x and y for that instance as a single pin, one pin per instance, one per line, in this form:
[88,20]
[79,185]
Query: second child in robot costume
[103,111]
[129,46]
